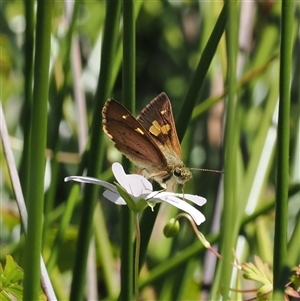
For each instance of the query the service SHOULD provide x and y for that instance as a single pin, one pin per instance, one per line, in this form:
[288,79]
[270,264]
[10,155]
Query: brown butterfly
[150,141]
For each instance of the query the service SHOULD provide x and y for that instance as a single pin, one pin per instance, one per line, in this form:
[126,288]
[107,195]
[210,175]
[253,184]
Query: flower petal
[114,197]
[90,180]
[138,185]
[182,205]
[134,184]
[199,200]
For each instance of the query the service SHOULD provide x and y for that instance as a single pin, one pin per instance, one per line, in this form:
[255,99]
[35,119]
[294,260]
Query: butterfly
[149,141]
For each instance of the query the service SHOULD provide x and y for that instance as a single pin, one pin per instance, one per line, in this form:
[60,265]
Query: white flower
[137,192]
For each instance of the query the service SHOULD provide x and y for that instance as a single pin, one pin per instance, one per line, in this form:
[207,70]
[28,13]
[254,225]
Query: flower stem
[200,236]
[137,256]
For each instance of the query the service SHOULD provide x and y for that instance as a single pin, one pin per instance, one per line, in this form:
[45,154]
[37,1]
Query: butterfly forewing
[131,138]
[157,118]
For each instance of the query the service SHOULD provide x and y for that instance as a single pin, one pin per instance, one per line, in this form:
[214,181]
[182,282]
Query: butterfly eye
[177,172]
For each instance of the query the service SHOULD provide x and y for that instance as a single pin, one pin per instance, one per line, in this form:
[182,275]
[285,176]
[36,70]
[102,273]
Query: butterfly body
[150,141]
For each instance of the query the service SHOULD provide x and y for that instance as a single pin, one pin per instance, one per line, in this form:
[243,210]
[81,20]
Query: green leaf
[12,271]
[9,278]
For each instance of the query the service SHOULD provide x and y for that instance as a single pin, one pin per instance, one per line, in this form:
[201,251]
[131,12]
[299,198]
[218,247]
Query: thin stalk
[37,151]
[293,255]
[227,231]
[137,256]
[63,225]
[129,55]
[127,251]
[106,258]
[96,153]
[55,120]
[146,226]
[28,77]
[200,73]
[281,214]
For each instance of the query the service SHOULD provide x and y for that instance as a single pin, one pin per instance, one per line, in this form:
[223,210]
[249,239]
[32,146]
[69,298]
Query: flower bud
[171,228]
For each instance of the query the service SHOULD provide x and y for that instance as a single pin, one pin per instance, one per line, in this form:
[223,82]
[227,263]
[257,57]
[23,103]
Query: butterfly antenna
[209,170]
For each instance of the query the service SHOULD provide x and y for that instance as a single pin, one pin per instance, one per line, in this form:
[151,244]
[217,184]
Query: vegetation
[231,71]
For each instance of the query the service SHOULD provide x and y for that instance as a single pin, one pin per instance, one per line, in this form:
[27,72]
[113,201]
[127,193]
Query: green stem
[28,77]
[281,214]
[228,233]
[106,258]
[37,151]
[200,74]
[55,117]
[129,55]
[137,255]
[63,225]
[146,227]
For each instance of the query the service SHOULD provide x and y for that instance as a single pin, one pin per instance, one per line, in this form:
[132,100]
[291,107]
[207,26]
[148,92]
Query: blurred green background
[170,39]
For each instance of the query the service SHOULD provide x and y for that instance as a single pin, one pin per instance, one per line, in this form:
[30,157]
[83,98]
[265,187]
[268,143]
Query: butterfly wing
[131,138]
[157,118]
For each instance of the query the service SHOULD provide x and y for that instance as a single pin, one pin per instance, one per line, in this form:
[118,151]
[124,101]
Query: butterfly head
[178,173]
[181,174]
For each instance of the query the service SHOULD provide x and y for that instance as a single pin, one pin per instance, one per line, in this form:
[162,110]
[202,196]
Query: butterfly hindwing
[157,118]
